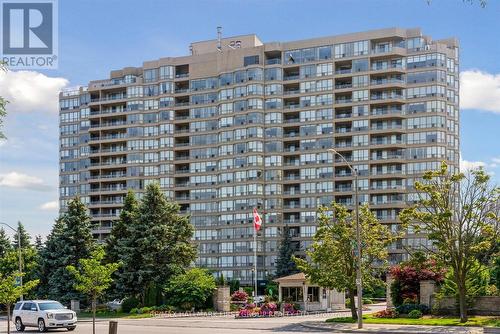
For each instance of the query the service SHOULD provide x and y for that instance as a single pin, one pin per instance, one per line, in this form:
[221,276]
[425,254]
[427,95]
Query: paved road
[213,325]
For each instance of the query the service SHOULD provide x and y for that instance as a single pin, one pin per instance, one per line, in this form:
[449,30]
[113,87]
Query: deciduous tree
[333,258]
[191,289]
[93,277]
[458,213]
[10,291]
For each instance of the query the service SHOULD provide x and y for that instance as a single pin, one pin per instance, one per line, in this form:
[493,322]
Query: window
[251,60]
[292,294]
[313,294]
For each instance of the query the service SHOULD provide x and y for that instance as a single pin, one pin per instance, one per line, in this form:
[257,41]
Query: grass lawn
[479,321]
[110,315]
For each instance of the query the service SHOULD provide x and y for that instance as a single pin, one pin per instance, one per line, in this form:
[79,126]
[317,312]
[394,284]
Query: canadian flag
[257,222]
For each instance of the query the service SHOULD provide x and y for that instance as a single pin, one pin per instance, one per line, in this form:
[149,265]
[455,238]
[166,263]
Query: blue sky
[97,36]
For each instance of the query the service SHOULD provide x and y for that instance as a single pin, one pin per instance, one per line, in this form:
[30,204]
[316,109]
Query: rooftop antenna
[219,38]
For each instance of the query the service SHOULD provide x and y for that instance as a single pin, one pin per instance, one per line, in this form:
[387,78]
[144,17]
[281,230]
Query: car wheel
[19,325]
[70,329]
[41,326]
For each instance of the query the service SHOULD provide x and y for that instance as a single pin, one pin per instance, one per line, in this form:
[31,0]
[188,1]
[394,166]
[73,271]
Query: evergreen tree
[121,228]
[48,258]
[25,237]
[285,264]
[119,246]
[69,241]
[38,243]
[5,244]
[159,245]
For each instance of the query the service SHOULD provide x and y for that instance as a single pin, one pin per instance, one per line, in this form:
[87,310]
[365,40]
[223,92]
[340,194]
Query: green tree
[285,265]
[190,290]
[5,243]
[159,246]
[10,291]
[38,243]
[69,241]
[49,258]
[25,237]
[93,277]
[458,213]
[120,247]
[333,258]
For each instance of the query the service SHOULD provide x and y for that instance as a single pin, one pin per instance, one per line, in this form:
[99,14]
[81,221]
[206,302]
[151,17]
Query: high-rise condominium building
[240,124]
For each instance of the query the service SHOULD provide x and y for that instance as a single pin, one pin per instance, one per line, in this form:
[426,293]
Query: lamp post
[359,281]
[18,251]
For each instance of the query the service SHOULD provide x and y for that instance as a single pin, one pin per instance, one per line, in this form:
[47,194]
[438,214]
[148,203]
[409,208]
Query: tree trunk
[93,314]
[462,301]
[354,314]
[8,318]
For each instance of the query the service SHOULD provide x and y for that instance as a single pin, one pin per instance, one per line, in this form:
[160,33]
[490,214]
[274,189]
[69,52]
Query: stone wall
[222,299]
[486,305]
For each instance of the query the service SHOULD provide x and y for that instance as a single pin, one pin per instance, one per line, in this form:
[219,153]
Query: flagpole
[255,259]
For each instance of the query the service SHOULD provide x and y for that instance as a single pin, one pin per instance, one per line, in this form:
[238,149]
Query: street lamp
[18,231]
[359,282]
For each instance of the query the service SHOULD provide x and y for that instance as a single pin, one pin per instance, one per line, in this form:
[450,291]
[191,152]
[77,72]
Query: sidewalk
[389,329]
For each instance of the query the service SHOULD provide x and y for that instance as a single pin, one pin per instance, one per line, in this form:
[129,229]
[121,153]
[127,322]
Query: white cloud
[480,90]
[29,91]
[466,165]
[23,181]
[49,206]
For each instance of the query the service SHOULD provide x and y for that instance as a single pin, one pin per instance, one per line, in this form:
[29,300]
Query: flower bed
[267,310]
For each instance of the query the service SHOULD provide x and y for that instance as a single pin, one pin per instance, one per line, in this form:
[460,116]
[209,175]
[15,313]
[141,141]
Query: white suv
[43,314]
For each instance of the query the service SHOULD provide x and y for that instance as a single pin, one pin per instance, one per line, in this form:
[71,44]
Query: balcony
[273,61]
[343,71]
[386,97]
[291,77]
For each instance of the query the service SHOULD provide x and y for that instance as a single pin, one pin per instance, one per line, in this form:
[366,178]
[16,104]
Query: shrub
[193,289]
[386,314]
[239,296]
[248,290]
[367,301]
[407,308]
[135,310]
[129,303]
[147,309]
[415,314]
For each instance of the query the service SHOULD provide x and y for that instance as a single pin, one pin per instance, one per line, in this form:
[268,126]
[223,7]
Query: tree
[285,264]
[25,237]
[159,246]
[38,243]
[5,244]
[49,258]
[458,214]
[69,241]
[190,290]
[119,245]
[333,258]
[10,291]
[93,277]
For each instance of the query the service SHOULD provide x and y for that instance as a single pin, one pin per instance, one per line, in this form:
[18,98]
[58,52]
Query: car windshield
[50,306]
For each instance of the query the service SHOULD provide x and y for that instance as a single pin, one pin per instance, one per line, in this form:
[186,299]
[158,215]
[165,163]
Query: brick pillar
[427,289]
[389,281]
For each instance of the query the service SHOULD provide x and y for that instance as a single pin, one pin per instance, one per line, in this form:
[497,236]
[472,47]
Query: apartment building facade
[240,124]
